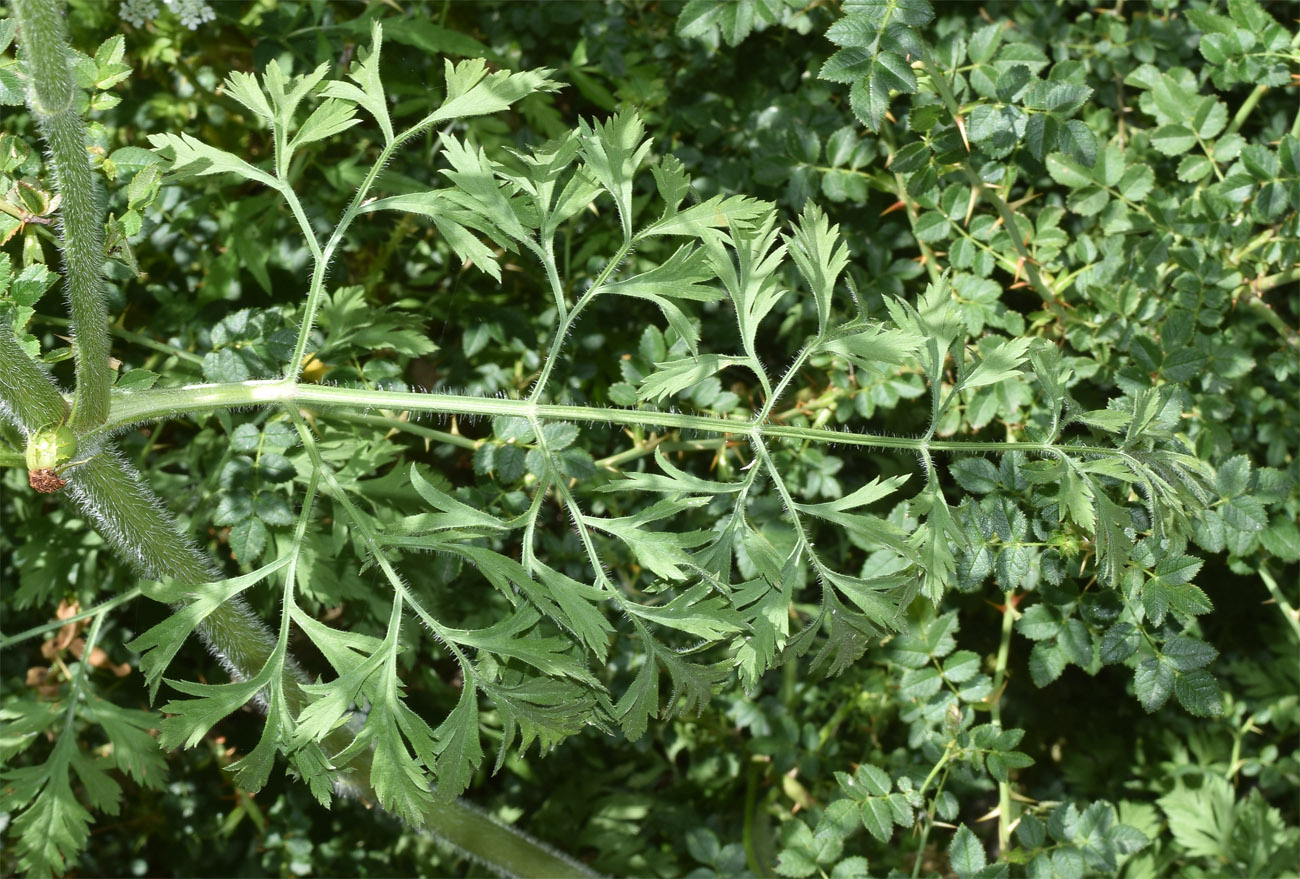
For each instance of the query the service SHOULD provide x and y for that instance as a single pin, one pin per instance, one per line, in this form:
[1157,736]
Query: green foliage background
[1149,157]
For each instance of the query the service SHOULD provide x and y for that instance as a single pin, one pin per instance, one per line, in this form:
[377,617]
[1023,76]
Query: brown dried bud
[45,481]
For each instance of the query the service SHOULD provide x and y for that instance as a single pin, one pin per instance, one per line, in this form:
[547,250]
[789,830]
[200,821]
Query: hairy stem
[565,320]
[110,493]
[323,256]
[505,850]
[27,393]
[154,405]
[52,97]
[139,529]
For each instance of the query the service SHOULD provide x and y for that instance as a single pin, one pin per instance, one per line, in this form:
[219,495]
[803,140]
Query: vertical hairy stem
[52,97]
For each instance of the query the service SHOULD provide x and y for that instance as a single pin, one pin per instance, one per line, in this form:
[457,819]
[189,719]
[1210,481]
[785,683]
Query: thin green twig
[1040,284]
[1248,295]
[79,682]
[104,607]
[130,336]
[1289,612]
[995,710]
[390,423]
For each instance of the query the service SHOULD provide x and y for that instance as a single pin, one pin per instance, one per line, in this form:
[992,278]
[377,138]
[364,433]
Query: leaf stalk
[154,405]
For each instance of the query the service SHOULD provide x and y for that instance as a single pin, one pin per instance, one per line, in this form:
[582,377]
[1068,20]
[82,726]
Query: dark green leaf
[1198,692]
[966,854]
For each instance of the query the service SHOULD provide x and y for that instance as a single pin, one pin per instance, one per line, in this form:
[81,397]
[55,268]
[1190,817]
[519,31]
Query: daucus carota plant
[593,582]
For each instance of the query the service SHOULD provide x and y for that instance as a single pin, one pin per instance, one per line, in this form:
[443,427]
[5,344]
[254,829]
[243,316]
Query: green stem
[27,392]
[369,538]
[547,253]
[153,405]
[131,336]
[323,255]
[1265,312]
[128,515]
[1005,262]
[506,850]
[746,830]
[1252,100]
[564,322]
[1249,295]
[1008,216]
[925,831]
[613,462]
[53,100]
[134,523]
[124,598]
[1288,611]
[773,395]
[79,683]
[943,761]
[913,213]
[995,710]
[439,436]
[130,518]
[1238,734]
[1036,280]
